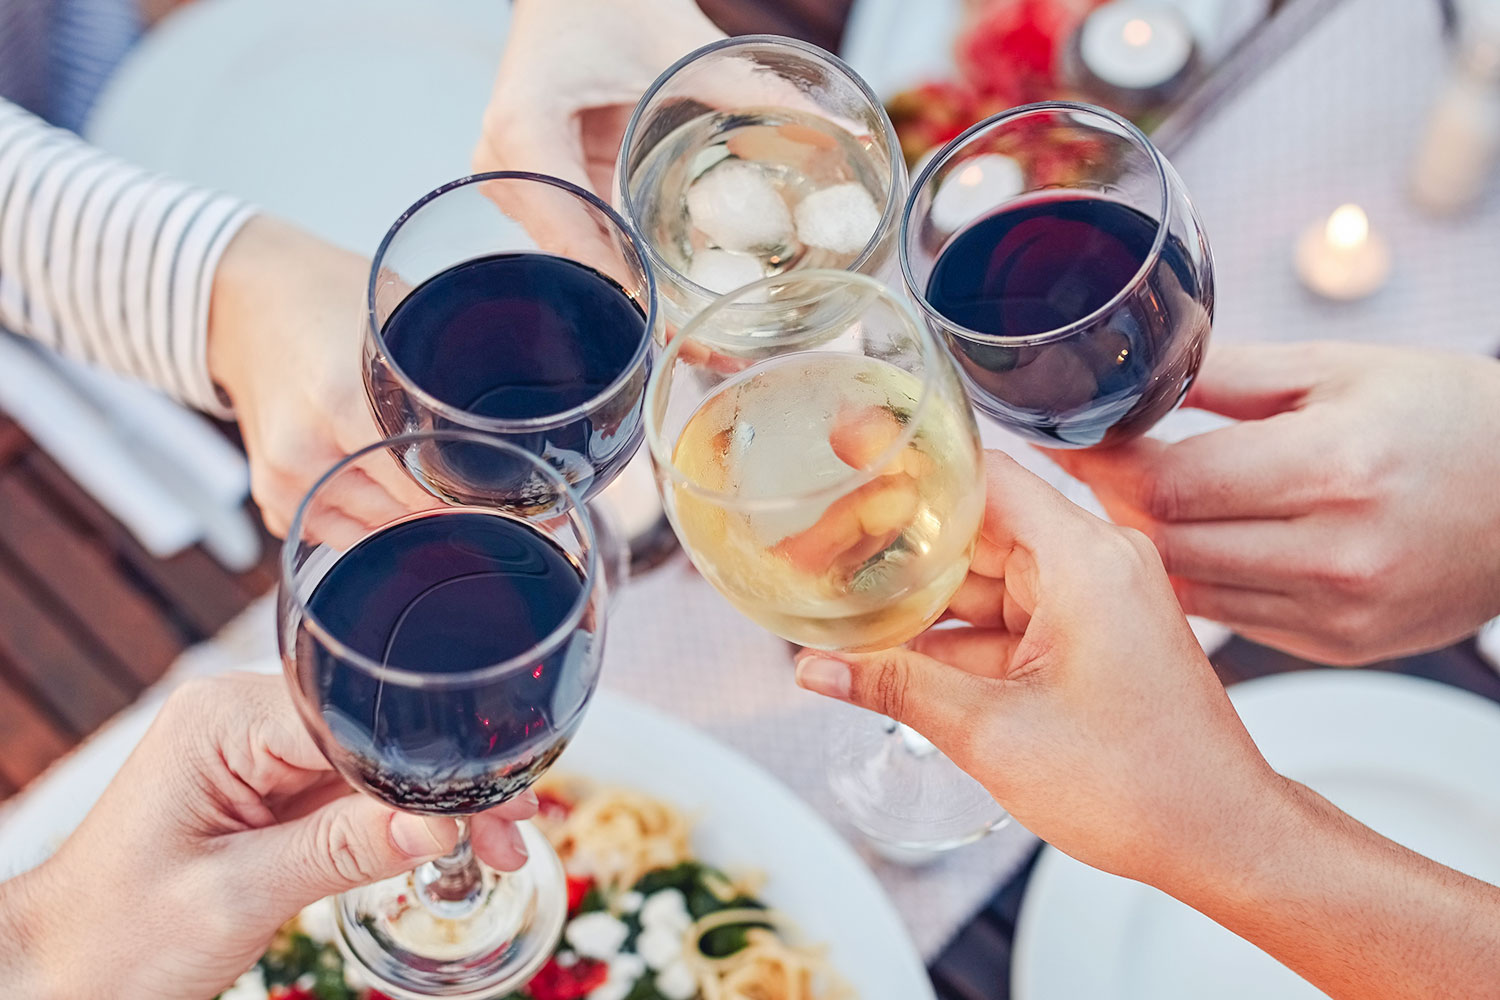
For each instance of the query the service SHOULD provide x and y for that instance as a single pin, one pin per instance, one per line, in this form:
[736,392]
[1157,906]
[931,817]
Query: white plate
[749,819]
[746,819]
[337,114]
[1411,758]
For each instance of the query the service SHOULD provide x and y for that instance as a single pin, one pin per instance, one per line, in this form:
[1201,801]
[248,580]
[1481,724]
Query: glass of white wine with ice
[819,460]
[754,156]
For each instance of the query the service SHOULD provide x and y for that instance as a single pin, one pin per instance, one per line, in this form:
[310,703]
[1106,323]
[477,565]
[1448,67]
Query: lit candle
[978,187]
[1135,47]
[1342,258]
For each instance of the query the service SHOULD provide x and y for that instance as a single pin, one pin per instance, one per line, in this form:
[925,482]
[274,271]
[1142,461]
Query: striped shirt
[99,260]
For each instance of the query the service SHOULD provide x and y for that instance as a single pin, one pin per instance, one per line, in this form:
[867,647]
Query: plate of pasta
[692,875]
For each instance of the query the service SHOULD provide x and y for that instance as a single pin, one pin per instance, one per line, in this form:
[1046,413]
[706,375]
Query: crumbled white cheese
[659,946]
[631,901]
[250,986]
[565,959]
[620,979]
[666,909]
[677,982]
[596,935]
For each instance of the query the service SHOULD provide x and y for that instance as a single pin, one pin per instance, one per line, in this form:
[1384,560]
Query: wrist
[237,282]
[38,961]
[1258,857]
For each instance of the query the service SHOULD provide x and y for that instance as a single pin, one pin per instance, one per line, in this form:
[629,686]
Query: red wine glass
[1056,253]
[441,662]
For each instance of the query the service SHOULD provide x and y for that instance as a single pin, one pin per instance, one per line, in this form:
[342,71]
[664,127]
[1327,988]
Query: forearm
[1352,912]
[106,262]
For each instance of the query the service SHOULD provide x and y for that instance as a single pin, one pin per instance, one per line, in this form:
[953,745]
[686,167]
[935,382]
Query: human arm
[1075,692]
[1352,514]
[226,310]
[571,73]
[222,825]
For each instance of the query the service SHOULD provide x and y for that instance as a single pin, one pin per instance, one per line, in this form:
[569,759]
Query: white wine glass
[820,463]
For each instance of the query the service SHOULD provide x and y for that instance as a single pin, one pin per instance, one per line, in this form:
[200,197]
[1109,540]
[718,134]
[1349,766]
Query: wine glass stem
[452,886]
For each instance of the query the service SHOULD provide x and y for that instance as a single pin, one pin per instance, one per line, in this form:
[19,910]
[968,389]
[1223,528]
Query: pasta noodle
[617,836]
[767,968]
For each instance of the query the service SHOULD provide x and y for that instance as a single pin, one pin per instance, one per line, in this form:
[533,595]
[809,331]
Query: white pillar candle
[1342,257]
[1135,46]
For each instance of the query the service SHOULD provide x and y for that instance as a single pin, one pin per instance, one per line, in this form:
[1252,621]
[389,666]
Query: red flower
[557,982]
[578,887]
[1010,52]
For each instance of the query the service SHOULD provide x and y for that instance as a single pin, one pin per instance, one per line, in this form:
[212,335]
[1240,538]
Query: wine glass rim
[940,158]
[416,678]
[467,418]
[933,355]
[896,164]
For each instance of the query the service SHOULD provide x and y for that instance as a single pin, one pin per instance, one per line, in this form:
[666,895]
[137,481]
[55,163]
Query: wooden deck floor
[88,619]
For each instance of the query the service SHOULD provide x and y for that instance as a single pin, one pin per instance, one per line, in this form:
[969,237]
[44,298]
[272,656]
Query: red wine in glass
[518,338]
[443,596]
[1087,336]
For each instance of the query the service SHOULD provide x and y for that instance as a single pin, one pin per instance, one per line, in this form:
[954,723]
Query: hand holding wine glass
[571,73]
[283,344]
[1076,692]
[225,822]
[441,664]
[1351,515]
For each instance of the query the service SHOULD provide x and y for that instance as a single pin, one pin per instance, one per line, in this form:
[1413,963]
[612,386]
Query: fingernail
[826,676]
[529,797]
[518,843]
[414,835]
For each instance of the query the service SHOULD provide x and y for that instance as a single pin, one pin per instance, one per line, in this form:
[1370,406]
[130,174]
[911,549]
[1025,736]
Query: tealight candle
[975,189]
[1342,258]
[1135,46]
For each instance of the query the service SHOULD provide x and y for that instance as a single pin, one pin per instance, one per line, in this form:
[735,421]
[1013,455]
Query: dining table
[1335,117]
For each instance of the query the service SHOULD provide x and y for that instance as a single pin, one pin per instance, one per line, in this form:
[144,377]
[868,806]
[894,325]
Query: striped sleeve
[107,263]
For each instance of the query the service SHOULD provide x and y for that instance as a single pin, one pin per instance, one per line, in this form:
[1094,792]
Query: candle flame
[1137,32]
[1348,226]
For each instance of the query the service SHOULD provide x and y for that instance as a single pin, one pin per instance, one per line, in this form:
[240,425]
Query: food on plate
[646,919]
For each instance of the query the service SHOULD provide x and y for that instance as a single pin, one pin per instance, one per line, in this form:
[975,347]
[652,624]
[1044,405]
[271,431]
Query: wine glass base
[411,952]
[902,793]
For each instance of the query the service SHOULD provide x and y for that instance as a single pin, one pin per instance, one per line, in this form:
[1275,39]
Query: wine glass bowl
[1055,251]
[441,662]
[518,305]
[755,156]
[819,463]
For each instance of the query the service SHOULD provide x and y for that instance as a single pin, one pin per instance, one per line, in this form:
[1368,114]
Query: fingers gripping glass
[442,662]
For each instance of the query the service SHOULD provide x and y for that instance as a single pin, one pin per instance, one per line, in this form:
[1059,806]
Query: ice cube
[721,271]
[841,218]
[737,207]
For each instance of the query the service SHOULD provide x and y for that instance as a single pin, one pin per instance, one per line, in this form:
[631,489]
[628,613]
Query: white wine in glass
[820,462]
[857,520]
